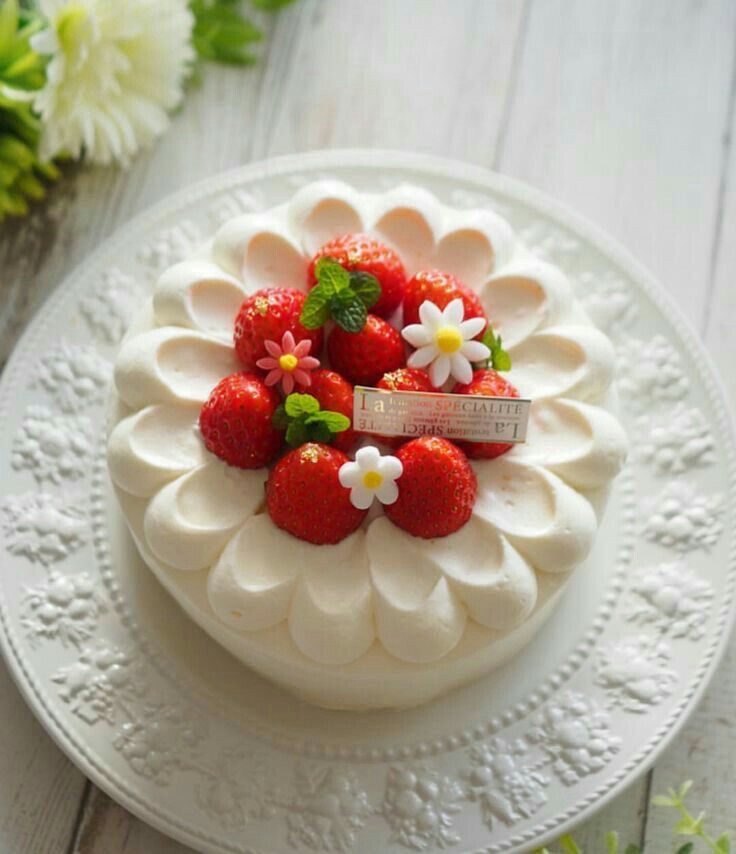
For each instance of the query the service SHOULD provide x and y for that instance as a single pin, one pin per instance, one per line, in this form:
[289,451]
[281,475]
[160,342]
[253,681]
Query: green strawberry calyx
[499,359]
[304,421]
[340,295]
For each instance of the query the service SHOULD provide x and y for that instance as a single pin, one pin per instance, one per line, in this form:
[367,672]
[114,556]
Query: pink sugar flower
[288,363]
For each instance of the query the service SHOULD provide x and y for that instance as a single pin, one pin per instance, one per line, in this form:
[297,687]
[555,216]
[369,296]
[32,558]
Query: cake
[360,571]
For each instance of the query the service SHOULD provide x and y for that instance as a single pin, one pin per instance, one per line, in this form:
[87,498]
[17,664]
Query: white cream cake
[382,618]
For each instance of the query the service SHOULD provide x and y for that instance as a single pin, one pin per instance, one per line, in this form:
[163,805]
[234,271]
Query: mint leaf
[365,287]
[301,404]
[331,277]
[350,314]
[280,419]
[315,311]
[296,433]
[336,422]
[499,359]
[687,848]
[319,432]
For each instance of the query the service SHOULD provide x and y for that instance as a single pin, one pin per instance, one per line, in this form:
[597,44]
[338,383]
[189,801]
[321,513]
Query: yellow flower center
[372,480]
[449,339]
[288,362]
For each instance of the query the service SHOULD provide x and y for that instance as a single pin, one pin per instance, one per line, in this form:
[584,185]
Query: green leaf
[569,846]
[331,276]
[663,801]
[684,789]
[221,33]
[499,359]
[723,843]
[280,419]
[319,432]
[316,310]
[687,848]
[296,433]
[8,25]
[366,287]
[336,422]
[271,5]
[631,848]
[612,843]
[350,314]
[688,826]
[301,404]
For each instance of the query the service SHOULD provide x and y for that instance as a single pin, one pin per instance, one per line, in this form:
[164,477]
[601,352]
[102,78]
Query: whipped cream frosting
[381,595]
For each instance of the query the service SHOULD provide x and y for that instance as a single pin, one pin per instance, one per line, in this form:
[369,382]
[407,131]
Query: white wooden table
[624,109]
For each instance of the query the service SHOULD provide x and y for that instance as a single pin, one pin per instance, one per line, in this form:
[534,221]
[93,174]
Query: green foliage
[300,415]
[22,71]
[340,294]
[687,825]
[223,34]
[499,359]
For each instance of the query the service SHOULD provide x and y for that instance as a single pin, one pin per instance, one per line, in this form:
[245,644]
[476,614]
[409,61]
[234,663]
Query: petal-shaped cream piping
[324,210]
[260,252]
[567,361]
[546,520]
[251,585]
[331,616]
[473,245]
[153,446]
[409,218]
[198,295]
[418,617]
[585,445]
[494,581]
[188,522]
[524,297]
[171,365]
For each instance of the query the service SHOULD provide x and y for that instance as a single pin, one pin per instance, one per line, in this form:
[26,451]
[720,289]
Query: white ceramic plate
[176,730]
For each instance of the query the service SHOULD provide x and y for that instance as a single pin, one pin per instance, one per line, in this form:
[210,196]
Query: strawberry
[439,288]
[491,384]
[437,488]
[366,254]
[304,495]
[265,316]
[336,394]
[406,379]
[364,357]
[235,422]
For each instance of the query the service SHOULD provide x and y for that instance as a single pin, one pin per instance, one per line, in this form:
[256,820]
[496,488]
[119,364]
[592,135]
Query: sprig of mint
[304,421]
[687,825]
[499,359]
[341,295]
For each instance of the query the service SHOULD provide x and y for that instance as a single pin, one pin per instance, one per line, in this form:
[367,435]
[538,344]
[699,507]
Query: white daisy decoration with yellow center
[444,342]
[371,476]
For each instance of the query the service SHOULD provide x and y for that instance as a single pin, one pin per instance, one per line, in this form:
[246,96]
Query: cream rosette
[380,589]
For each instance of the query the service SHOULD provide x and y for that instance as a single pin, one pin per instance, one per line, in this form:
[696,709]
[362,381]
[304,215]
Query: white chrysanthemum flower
[117,68]
[445,342]
[371,476]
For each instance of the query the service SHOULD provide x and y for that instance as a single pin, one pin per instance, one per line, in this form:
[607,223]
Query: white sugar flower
[371,476]
[116,68]
[445,342]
